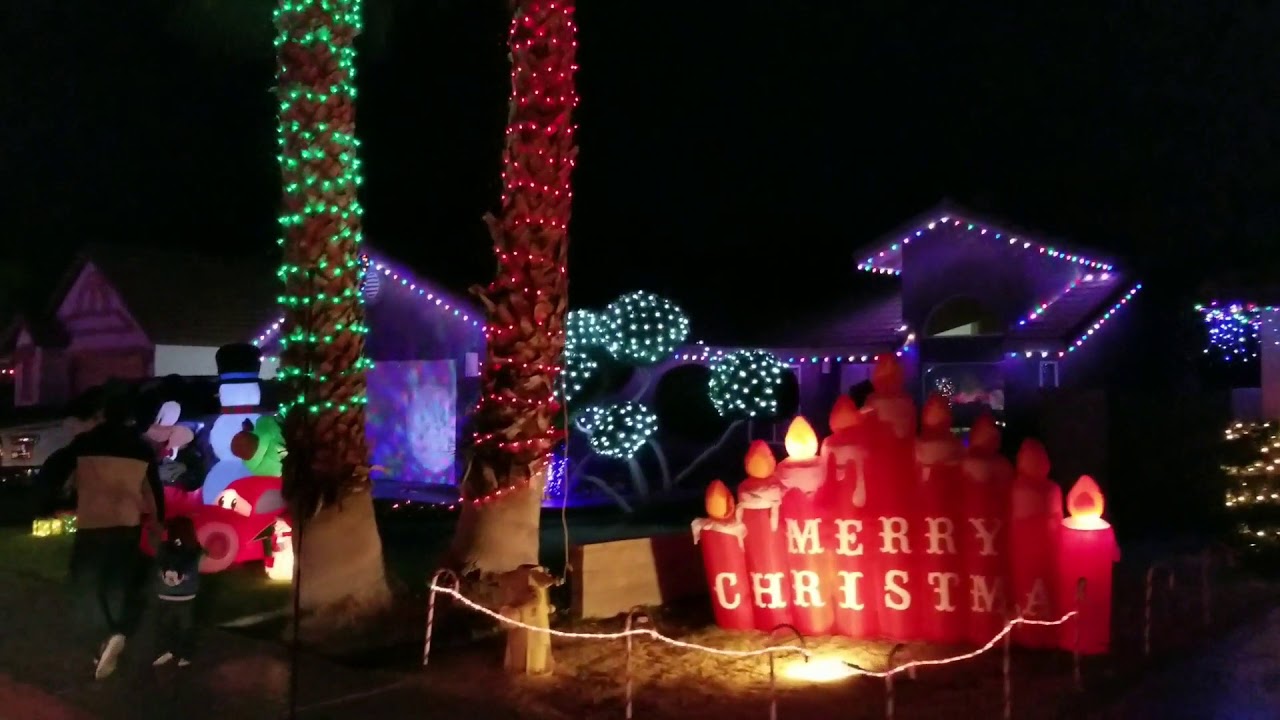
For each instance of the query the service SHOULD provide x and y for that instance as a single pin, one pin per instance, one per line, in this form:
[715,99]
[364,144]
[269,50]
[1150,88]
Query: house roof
[884,255]
[180,297]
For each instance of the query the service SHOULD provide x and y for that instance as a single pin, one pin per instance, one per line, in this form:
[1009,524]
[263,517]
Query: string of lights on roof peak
[1088,333]
[378,272]
[882,262]
[1234,329]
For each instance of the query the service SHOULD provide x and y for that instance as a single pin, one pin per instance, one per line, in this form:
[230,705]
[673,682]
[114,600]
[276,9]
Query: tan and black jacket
[114,474]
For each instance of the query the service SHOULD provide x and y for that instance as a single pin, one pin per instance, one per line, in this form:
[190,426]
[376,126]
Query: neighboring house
[1243,327]
[992,316]
[131,314]
[134,314]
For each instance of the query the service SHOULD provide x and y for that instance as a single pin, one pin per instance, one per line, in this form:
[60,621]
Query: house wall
[955,262]
[105,340]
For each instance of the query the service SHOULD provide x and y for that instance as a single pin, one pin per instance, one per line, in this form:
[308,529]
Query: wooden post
[637,616]
[1146,611]
[1206,560]
[888,697]
[1075,649]
[1008,675]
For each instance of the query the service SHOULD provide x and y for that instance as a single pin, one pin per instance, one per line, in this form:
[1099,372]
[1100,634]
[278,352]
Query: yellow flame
[1085,504]
[801,441]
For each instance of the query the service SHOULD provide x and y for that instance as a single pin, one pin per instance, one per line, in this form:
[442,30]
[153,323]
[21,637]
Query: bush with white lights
[745,383]
[642,328]
[619,430]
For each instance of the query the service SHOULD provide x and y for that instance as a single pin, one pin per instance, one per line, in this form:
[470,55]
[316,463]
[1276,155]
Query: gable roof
[884,255]
[178,297]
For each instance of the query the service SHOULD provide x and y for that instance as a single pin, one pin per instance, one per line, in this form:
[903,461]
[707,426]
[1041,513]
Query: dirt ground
[676,683]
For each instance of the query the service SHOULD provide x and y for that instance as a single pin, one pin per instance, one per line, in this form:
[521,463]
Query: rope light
[655,635]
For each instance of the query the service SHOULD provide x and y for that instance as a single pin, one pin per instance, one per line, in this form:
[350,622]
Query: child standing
[178,560]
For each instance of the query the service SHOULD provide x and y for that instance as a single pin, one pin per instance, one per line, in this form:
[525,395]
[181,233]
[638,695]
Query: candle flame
[760,462]
[886,374]
[936,414]
[1033,460]
[844,414]
[984,437]
[801,441]
[1085,504]
[719,501]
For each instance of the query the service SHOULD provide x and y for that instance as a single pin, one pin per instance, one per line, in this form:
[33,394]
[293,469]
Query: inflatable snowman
[239,394]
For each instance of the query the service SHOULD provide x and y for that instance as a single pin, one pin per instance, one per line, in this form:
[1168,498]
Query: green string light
[317,152]
[745,382]
[643,328]
[618,431]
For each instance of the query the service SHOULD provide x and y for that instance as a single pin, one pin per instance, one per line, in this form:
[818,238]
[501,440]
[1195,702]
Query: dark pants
[108,573]
[175,621]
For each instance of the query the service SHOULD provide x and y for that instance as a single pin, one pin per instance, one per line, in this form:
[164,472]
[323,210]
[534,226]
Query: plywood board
[610,578]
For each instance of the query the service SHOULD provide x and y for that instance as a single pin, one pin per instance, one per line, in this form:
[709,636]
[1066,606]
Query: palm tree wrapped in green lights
[326,474]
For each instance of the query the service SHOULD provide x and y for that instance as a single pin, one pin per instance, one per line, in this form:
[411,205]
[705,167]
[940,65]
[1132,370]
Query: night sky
[744,148]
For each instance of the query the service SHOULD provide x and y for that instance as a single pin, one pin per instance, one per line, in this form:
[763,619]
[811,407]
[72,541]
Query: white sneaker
[110,655]
[183,662]
[163,659]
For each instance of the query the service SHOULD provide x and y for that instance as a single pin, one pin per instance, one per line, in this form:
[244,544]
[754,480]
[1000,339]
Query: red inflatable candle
[849,447]
[802,469]
[724,558]
[1034,527]
[985,488]
[1088,550]
[759,501]
[940,600]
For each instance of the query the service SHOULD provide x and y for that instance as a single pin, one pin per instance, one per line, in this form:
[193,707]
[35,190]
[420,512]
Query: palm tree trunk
[340,571]
[519,419]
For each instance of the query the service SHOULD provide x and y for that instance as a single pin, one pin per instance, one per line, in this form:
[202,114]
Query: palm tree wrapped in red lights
[518,420]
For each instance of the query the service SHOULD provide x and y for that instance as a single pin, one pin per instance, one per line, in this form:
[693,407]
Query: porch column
[1269,355]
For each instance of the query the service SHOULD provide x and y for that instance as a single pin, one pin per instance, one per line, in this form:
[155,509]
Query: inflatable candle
[889,398]
[759,501]
[987,486]
[941,610]
[722,537]
[806,516]
[239,394]
[1086,551]
[1035,522]
[850,447]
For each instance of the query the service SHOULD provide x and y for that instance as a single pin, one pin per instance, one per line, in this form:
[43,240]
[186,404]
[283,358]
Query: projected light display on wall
[412,421]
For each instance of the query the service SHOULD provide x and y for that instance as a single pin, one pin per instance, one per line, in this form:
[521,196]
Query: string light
[583,336]
[376,268]
[320,216]
[738,654]
[745,382]
[1088,333]
[889,260]
[526,297]
[643,328]
[1233,329]
[619,430]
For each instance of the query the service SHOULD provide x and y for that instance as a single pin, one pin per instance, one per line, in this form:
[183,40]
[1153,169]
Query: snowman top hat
[238,363]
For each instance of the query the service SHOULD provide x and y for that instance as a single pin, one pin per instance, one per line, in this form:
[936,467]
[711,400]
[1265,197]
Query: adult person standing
[49,491]
[117,485]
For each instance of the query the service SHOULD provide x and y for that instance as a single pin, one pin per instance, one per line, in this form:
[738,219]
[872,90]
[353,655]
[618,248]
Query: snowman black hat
[238,363]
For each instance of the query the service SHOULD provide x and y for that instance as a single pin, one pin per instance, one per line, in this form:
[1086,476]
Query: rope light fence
[445,582]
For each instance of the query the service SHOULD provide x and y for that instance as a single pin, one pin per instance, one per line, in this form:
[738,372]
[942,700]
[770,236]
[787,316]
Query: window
[959,317]
[1049,374]
[24,447]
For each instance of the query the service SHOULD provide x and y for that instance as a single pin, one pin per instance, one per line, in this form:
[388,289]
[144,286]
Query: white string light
[808,654]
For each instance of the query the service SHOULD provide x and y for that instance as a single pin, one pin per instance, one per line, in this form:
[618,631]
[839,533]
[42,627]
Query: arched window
[961,316]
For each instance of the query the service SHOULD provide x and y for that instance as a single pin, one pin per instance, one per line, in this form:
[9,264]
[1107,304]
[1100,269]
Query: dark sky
[745,145]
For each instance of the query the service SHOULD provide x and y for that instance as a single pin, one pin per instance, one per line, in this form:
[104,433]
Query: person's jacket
[177,571]
[115,478]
